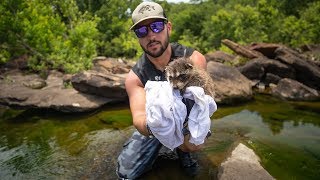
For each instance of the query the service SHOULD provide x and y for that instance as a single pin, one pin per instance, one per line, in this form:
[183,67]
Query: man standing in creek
[153,30]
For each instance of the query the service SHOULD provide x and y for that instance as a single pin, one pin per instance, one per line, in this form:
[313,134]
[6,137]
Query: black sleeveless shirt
[145,70]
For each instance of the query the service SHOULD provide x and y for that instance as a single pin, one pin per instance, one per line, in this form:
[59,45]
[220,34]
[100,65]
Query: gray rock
[54,96]
[243,164]
[257,69]
[230,85]
[101,84]
[267,49]
[293,90]
[271,79]
[35,84]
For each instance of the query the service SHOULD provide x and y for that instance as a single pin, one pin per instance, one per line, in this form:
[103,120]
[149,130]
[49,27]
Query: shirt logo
[157,78]
[146,8]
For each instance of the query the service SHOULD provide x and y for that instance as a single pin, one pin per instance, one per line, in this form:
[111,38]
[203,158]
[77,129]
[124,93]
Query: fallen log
[241,50]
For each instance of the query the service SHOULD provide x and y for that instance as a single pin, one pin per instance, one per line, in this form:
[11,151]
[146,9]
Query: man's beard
[161,51]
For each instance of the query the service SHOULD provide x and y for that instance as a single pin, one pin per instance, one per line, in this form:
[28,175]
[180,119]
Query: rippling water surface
[42,145]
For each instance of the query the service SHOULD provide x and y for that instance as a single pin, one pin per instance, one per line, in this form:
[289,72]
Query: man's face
[155,43]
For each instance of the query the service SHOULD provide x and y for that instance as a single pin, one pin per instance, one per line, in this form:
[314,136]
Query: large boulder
[258,68]
[230,85]
[101,84]
[106,78]
[253,69]
[16,92]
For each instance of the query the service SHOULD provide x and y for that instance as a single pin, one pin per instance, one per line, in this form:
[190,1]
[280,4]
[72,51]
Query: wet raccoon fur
[181,74]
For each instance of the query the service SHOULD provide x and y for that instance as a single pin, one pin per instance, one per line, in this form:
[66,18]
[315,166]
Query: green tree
[67,34]
[187,22]
[311,16]
[10,28]
[219,27]
[54,34]
[293,7]
[114,28]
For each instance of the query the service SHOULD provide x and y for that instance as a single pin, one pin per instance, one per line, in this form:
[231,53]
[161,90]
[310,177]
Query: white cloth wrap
[166,113]
[199,121]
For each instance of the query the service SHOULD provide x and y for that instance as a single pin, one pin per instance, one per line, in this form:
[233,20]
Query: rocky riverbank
[270,68]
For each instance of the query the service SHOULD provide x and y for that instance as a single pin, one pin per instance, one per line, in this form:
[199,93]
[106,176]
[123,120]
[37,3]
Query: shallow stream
[50,145]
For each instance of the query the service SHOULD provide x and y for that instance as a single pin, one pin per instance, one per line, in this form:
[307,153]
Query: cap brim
[150,17]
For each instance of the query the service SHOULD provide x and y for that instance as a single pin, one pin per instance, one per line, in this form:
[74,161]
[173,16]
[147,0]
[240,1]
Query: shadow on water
[47,144]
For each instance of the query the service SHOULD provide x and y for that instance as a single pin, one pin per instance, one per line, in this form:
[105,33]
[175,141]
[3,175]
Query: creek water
[51,145]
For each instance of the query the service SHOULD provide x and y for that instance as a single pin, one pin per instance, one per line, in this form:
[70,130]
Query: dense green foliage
[53,33]
[67,34]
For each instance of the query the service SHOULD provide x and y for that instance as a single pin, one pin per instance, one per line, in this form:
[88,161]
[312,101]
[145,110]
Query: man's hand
[189,147]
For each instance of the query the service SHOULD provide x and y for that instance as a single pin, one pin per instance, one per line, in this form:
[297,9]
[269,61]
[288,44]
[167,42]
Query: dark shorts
[137,156]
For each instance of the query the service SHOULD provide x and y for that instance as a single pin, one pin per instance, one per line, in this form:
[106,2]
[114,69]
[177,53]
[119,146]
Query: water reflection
[275,113]
[45,144]
[289,148]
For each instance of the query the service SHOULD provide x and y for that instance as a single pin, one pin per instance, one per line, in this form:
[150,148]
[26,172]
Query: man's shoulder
[177,45]
[179,50]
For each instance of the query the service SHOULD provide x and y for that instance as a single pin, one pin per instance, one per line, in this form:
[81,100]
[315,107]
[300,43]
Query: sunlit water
[51,145]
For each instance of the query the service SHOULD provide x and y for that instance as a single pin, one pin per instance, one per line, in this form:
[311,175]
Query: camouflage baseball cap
[147,10]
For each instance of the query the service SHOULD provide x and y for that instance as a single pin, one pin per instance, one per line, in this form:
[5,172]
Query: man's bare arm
[137,98]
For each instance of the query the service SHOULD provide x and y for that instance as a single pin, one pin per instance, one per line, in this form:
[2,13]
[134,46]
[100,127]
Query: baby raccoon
[182,74]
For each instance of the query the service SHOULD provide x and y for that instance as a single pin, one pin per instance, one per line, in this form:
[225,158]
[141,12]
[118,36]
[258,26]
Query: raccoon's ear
[189,65]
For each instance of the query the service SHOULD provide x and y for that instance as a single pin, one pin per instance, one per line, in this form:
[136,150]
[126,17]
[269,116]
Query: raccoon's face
[178,73]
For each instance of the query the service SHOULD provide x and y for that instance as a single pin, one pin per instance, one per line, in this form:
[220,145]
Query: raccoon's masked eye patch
[182,77]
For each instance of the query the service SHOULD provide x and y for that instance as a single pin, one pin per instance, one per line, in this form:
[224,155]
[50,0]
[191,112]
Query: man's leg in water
[137,156]
[189,165]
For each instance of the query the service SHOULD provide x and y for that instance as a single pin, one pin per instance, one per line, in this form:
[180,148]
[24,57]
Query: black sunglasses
[155,27]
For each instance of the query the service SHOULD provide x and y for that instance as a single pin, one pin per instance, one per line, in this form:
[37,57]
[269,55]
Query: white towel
[199,121]
[165,113]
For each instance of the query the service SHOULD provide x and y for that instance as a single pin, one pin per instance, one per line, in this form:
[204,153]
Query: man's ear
[169,27]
